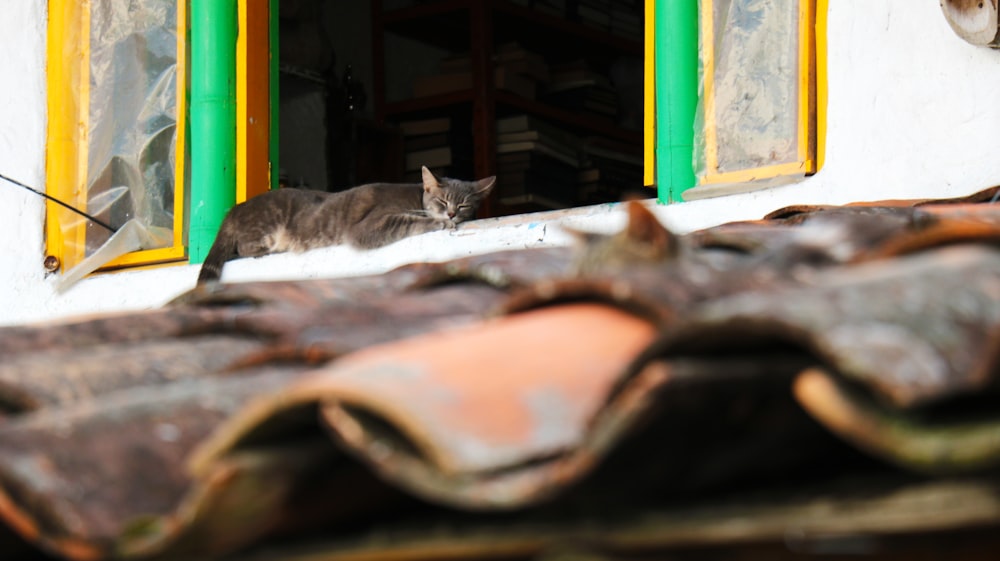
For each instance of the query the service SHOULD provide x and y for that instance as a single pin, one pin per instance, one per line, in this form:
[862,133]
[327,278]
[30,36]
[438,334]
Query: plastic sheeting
[132,116]
[756,92]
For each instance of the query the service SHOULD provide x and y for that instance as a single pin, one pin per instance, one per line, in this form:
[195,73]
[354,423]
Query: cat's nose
[451,213]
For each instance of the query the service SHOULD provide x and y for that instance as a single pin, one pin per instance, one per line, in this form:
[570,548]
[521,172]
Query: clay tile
[448,414]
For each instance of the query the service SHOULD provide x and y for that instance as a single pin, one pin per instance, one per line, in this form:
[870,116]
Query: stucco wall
[912,113]
[22,157]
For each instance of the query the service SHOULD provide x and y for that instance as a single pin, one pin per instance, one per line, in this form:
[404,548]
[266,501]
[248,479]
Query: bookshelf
[492,42]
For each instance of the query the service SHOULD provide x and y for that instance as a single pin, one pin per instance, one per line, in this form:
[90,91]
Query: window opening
[547,96]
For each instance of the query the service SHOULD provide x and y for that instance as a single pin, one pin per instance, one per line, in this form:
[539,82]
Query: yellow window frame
[253,114]
[810,107]
[68,134]
[649,94]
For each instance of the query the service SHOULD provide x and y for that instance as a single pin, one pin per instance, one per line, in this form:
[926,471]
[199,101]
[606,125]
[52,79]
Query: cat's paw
[448,225]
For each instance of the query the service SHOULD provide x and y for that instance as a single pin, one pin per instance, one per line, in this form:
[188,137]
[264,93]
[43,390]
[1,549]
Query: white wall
[22,157]
[912,113]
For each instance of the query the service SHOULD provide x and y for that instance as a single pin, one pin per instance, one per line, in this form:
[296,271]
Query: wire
[58,202]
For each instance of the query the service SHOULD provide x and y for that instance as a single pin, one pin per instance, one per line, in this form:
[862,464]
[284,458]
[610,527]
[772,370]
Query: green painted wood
[676,96]
[213,121]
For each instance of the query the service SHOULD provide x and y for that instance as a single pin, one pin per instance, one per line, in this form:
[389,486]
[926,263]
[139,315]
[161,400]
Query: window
[118,121]
[116,109]
[757,122]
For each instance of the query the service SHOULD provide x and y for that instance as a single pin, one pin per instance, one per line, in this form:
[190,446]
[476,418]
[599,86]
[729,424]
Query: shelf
[424,10]
[579,121]
[480,27]
[582,121]
[423,104]
[445,24]
[533,26]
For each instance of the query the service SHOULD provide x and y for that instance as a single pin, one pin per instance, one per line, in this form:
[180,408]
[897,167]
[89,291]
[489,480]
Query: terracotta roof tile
[824,369]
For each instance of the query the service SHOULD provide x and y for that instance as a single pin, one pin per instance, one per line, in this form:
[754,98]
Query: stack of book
[514,59]
[594,13]
[516,70]
[626,19]
[576,86]
[427,142]
[610,170]
[553,7]
[537,165]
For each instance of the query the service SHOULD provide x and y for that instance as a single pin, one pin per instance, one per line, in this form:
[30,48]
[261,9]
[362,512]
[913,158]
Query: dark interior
[545,94]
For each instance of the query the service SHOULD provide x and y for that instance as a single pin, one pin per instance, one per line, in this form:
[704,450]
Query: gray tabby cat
[366,217]
[643,241]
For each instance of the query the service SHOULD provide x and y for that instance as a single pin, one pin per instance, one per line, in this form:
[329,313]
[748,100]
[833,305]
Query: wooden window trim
[811,103]
[68,125]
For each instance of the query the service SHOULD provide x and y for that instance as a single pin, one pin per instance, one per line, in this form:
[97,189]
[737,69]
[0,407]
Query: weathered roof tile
[817,344]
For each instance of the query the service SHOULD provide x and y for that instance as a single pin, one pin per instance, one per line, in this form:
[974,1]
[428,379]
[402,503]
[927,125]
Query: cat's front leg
[426,224]
[392,228]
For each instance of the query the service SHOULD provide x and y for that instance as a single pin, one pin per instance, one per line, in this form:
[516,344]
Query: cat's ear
[483,186]
[431,182]
[643,227]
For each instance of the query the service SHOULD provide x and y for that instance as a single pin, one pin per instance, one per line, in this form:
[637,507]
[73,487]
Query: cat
[643,241]
[366,217]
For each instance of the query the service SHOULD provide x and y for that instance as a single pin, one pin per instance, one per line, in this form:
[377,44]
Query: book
[437,84]
[518,123]
[532,67]
[582,101]
[594,17]
[522,61]
[510,56]
[539,175]
[626,22]
[552,7]
[509,80]
[535,146]
[607,149]
[425,126]
[535,173]
[611,176]
[539,165]
[566,81]
[426,141]
[515,160]
[504,79]
[455,64]
[566,146]
[522,123]
[522,156]
[433,157]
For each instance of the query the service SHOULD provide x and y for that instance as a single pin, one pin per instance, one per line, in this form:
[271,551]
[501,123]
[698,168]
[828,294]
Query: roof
[822,378]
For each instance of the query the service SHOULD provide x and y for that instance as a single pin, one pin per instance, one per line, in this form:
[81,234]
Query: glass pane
[132,117]
[756,83]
